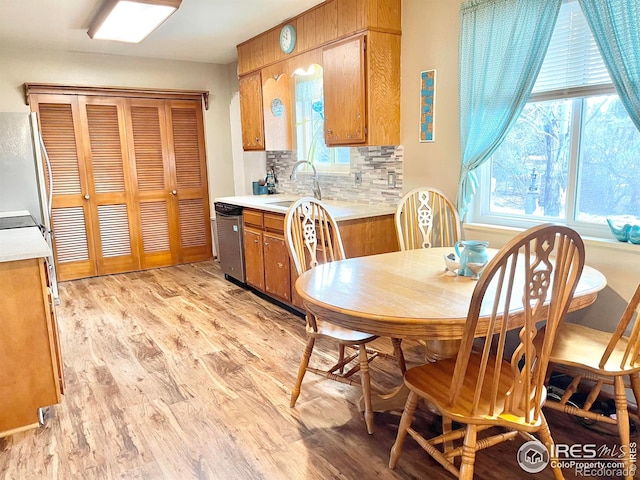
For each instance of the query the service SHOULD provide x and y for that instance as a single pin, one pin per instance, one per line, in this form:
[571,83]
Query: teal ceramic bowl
[622,234]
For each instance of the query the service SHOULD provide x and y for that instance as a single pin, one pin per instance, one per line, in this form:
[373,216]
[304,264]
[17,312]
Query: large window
[309,124]
[574,154]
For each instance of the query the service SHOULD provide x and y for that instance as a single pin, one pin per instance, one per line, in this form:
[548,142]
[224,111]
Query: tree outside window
[574,153]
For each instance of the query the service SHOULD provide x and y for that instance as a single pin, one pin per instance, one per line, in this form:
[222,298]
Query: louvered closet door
[186,143]
[149,153]
[110,195]
[71,216]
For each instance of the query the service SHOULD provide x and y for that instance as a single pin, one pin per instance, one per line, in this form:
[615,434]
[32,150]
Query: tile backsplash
[375,164]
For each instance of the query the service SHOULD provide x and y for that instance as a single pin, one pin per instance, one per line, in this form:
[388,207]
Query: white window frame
[480,210]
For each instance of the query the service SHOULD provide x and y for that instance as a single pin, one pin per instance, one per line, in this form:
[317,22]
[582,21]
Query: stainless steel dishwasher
[229,225]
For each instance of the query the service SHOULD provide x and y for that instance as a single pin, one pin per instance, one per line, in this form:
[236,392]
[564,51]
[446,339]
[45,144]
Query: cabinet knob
[87,197]
[255,241]
[257,139]
[174,192]
[329,131]
[266,244]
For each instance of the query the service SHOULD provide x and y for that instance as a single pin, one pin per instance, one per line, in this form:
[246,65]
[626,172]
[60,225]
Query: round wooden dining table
[409,295]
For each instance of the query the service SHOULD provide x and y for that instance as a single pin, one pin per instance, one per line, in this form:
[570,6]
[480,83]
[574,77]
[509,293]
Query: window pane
[529,170]
[342,155]
[609,174]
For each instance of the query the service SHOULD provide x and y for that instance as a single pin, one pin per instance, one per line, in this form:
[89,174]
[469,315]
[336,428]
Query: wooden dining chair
[425,218]
[531,279]
[595,358]
[312,237]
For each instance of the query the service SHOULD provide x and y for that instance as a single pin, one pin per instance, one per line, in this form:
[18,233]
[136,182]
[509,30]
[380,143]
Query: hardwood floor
[176,373]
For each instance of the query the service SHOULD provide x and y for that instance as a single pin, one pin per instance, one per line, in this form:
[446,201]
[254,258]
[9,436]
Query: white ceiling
[201,30]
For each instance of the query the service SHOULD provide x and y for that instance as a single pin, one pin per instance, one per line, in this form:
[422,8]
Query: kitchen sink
[281,203]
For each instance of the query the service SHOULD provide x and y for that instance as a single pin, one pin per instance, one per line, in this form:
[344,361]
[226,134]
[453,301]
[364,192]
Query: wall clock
[288,38]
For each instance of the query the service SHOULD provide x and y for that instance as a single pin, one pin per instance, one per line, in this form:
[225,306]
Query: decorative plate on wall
[277,107]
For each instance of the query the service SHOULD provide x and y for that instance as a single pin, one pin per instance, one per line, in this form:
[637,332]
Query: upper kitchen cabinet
[251,115]
[362,90]
[358,46]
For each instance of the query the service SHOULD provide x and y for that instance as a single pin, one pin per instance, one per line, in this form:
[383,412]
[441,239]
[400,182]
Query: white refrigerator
[22,174]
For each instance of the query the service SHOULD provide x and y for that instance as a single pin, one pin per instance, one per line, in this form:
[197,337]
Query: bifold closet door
[110,193]
[74,248]
[129,182]
[186,144]
[151,168]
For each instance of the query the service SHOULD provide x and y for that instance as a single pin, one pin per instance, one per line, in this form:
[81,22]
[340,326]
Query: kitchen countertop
[340,210]
[21,243]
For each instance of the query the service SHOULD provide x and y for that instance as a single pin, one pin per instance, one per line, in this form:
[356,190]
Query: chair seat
[582,347]
[340,334]
[432,382]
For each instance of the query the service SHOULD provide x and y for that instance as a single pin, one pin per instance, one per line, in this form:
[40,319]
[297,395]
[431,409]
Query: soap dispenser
[271,181]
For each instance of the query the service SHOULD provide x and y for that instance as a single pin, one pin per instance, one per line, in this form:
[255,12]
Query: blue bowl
[622,234]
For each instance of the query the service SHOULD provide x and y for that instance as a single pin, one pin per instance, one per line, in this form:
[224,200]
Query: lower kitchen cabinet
[277,276]
[254,258]
[267,263]
[266,254]
[31,376]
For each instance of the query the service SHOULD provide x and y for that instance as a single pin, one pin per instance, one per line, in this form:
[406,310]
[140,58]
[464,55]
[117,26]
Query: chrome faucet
[316,185]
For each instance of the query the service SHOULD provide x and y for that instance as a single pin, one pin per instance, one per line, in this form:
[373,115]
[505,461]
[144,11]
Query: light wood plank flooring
[176,373]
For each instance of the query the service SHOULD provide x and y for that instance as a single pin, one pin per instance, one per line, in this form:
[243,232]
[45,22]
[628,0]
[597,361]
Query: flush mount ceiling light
[130,20]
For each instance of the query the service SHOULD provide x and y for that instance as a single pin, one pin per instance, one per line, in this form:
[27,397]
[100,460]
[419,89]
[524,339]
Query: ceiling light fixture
[130,20]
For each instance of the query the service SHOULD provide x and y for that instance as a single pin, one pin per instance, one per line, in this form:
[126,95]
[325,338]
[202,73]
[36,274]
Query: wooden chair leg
[341,358]
[468,456]
[634,379]
[622,415]
[405,423]
[399,355]
[302,369]
[447,427]
[547,439]
[366,388]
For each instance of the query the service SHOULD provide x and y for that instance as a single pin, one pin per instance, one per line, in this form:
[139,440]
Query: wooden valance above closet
[165,94]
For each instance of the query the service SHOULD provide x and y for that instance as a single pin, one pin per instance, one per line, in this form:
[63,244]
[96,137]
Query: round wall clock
[288,38]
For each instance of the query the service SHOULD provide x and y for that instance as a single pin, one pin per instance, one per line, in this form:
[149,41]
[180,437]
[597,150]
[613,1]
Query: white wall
[430,30]
[73,68]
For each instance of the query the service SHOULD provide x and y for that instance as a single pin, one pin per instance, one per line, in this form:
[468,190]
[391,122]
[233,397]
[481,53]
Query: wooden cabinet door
[254,258]
[276,97]
[74,248]
[344,72]
[151,170]
[251,115]
[109,190]
[189,186]
[277,276]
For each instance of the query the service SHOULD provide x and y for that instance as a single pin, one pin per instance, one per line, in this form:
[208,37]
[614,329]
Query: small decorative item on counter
[627,233]
[271,181]
[259,187]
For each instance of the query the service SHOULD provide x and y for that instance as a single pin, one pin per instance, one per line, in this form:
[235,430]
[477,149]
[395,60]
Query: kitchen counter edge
[341,211]
[22,244]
